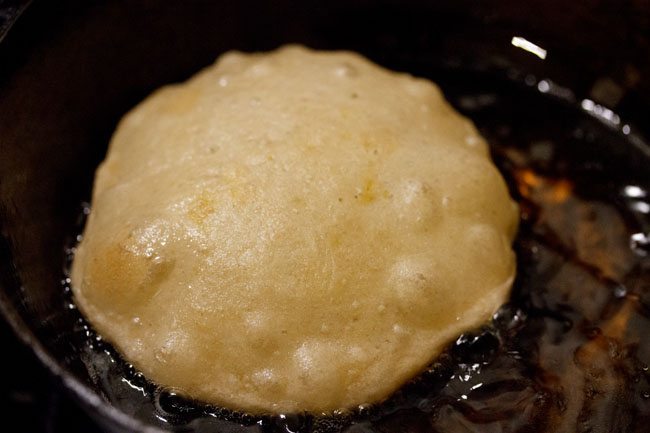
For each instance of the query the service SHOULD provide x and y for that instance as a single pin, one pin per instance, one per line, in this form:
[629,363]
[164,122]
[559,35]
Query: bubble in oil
[640,243]
[170,404]
[291,423]
[508,318]
[480,347]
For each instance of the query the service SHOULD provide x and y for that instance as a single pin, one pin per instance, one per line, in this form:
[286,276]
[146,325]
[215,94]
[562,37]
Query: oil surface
[568,353]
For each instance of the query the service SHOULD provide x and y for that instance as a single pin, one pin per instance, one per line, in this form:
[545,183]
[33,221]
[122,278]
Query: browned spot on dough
[368,194]
[122,279]
[202,207]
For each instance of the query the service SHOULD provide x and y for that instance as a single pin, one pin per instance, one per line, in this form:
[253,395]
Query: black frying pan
[70,69]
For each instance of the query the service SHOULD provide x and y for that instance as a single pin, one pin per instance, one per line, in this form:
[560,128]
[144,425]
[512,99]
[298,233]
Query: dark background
[31,398]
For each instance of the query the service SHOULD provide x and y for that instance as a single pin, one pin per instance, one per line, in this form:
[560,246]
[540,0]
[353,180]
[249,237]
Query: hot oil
[568,353]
